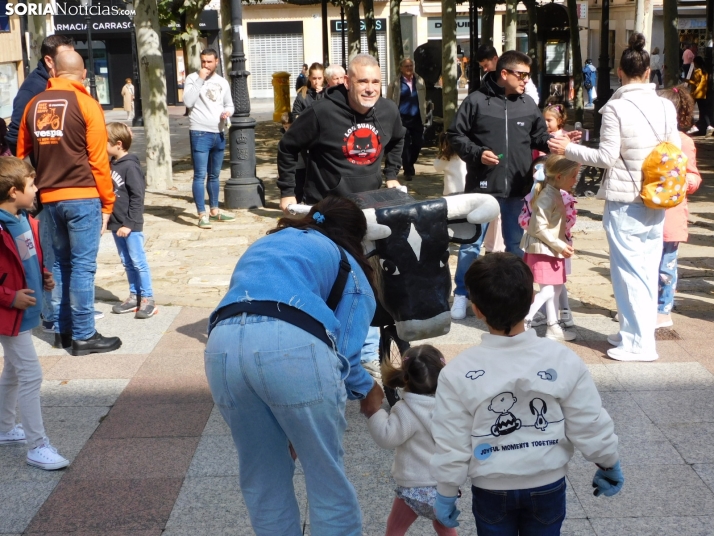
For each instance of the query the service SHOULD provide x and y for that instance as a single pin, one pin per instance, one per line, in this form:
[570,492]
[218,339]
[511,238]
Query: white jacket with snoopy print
[510,412]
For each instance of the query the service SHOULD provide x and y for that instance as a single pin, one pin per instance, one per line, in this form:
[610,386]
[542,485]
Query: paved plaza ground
[151,455]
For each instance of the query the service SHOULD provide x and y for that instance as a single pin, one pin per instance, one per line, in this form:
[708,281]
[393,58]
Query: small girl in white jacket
[453,168]
[408,430]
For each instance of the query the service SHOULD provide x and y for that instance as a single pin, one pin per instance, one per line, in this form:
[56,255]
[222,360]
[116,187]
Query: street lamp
[87,5]
[243,189]
[138,120]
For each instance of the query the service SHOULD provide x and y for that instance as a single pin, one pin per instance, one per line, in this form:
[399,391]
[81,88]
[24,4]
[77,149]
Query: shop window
[4,19]
[8,88]
[101,68]
[271,53]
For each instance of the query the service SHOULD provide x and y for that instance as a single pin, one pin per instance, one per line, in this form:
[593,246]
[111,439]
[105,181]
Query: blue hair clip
[539,175]
[319,218]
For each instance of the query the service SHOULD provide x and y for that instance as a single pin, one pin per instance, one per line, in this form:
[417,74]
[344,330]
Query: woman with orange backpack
[634,122]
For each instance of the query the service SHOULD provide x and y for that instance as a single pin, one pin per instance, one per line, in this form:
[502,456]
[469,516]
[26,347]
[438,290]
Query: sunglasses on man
[521,75]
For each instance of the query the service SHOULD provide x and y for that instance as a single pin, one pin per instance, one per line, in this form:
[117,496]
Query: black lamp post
[243,189]
[138,120]
[603,69]
[87,5]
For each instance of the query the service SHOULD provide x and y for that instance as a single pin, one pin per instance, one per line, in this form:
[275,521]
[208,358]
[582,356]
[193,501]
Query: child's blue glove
[608,482]
[445,511]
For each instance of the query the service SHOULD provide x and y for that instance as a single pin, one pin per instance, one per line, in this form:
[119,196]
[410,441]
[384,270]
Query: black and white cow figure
[413,252]
[411,240]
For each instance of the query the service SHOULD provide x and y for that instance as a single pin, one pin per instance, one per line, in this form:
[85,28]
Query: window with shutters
[336,52]
[270,53]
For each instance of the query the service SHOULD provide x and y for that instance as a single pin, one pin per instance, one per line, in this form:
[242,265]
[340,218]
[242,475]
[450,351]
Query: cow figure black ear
[462,232]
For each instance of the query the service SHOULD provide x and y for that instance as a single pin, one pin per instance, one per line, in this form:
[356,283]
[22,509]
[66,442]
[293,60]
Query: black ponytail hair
[419,370]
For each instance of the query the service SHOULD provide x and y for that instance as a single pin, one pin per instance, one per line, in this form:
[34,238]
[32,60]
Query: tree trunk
[577,60]
[487,16]
[226,37]
[533,39]
[191,35]
[353,28]
[448,60]
[396,44]
[511,24]
[671,43]
[37,27]
[153,95]
[371,28]
[640,16]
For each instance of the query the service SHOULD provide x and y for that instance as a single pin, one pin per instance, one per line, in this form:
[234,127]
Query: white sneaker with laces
[46,457]
[458,309]
[539,319]
[693,130]
[710,131]
[566,318]
[620,354]
[16,436]
[615,339]
[556,333]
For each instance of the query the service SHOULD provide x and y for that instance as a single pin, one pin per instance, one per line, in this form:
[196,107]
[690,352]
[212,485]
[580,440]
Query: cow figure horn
[375,231]
[476,208]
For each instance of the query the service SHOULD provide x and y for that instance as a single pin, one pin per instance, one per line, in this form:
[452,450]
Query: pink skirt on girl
[546,270]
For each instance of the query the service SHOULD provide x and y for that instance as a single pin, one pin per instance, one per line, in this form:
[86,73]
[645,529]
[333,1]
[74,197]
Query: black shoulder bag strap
[339,286]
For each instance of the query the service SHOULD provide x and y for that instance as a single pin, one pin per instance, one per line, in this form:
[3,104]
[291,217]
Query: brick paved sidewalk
[150,454]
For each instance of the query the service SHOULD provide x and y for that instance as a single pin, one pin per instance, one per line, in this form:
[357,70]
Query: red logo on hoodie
[362,146]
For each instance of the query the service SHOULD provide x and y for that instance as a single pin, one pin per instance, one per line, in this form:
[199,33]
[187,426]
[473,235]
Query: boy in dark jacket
[21,279]
[127,222]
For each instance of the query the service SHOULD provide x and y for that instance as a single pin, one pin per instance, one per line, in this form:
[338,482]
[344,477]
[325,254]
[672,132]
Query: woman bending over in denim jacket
[281,364]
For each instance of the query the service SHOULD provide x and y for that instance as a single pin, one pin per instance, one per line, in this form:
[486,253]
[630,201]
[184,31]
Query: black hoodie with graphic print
[129,188]
[346,148]
[510,126]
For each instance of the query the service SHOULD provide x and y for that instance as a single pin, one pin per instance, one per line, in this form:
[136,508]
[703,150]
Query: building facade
[11,64]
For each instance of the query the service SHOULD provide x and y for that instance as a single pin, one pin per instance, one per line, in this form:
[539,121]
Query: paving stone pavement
[151,455]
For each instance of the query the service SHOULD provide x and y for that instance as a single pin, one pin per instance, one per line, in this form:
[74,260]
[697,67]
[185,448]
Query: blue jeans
[512,235]
[131,253]
[276,384]
[667,278]
[468,253]
[78,224]
[207,150]
[50,298]
[520,512]
[634,234]
[370,348]
[590,95]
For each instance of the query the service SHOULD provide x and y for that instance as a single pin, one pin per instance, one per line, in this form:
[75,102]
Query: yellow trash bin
[281,94]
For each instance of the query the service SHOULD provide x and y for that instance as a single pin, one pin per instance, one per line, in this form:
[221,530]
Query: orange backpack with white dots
[664,173]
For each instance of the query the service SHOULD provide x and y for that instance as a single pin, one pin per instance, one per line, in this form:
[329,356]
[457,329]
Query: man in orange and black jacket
[63,132]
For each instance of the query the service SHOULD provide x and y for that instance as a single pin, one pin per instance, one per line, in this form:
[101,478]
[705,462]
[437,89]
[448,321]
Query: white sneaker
[46,457]
[16,436]
[615,339]
[693,130]
[556,333]
[539,319]
[663,321]
[373,369]
[458,309]
[621,355]
[710,131]
[566,318]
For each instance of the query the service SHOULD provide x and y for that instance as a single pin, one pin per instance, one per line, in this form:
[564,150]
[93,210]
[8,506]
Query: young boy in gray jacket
[510,412]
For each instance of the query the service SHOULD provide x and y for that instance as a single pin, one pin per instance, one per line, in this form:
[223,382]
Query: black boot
[96,344]
[62,340]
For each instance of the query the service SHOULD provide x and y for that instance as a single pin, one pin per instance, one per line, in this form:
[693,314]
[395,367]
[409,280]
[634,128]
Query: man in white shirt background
[208,97]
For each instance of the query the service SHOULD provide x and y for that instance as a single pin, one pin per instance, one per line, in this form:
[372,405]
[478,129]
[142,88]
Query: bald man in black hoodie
[348,134]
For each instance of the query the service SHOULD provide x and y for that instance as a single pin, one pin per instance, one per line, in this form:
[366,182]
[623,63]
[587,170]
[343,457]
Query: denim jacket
[299,268]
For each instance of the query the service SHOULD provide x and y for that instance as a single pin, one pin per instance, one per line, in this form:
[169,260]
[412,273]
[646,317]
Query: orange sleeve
[97,151]
[25,145]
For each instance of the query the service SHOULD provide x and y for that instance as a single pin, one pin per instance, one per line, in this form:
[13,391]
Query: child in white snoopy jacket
[510,412]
